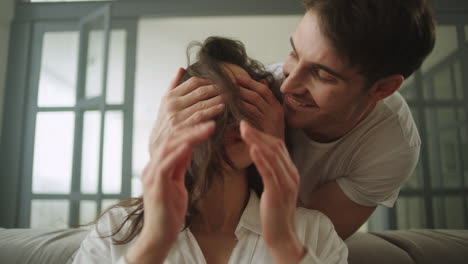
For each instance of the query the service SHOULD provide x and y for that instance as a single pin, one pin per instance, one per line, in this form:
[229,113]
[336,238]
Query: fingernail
[220,106]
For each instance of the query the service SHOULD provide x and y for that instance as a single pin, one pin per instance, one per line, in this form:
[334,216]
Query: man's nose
[293,79]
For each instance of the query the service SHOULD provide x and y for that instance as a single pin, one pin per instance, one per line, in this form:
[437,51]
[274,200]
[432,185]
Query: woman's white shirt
[315,231]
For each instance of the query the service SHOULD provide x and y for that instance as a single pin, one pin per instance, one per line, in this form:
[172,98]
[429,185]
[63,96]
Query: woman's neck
[221,209]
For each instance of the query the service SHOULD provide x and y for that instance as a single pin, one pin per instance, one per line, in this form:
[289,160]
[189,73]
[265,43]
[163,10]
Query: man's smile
[296,103]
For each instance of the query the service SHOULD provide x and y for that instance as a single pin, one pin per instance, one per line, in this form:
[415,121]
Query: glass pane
[410,213]
[437,65]
[137,189]
[59,60]
[444,146]
[106,203]
[95,59]
[415,181]
[53,152]
[457,74]
[112,159]
[90,156]
[408,88]
[116,67]
[49,213]
[449,213]
[88,211]
[416,116]
[443,86]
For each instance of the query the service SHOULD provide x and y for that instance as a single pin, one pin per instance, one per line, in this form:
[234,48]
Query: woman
[201,190]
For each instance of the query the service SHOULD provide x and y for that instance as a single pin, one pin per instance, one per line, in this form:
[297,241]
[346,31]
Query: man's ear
[385,87]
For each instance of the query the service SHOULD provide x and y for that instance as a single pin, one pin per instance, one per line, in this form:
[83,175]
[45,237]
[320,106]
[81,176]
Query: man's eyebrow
[292,45]
[320,66]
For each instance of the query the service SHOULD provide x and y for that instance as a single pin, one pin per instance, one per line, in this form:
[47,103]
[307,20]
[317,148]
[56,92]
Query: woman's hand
[165,197]
[190,103]
[278,202]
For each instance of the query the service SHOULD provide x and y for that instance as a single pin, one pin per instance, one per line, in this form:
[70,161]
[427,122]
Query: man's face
[323,95]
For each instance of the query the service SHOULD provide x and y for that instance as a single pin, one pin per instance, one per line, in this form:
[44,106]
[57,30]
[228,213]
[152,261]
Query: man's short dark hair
[380,37]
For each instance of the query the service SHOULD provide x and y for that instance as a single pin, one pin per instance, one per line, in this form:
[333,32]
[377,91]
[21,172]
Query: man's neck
[222,208]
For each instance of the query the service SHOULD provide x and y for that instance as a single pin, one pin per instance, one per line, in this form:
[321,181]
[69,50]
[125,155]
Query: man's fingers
[190,135]
[204,92]
[253,98]
[176,80]
[188,86]
[202,115]
[200,105]
[252,109]
[255,86]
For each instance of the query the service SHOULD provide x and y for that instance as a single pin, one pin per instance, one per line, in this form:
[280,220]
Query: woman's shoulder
[116,217]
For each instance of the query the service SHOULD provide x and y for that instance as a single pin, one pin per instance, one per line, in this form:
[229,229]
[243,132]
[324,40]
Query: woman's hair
[209,159]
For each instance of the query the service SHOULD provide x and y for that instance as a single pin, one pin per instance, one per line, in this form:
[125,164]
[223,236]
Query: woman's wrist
[146,251]
[290,251]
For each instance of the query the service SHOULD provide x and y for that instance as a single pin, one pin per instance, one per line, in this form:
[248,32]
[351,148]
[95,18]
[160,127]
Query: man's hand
[278,202]
[259,99]
[190,103]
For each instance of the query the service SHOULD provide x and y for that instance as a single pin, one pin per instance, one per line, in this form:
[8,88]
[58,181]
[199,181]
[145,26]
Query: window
[436,196]
[79,120]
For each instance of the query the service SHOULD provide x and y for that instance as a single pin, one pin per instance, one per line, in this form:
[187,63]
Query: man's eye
[324,76]
[293,54]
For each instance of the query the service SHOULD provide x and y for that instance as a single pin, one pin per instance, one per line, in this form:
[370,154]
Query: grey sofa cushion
[367,248]
[431,246]
[39,245]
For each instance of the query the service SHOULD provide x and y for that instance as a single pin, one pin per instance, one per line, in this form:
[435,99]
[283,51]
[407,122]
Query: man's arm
[346,215]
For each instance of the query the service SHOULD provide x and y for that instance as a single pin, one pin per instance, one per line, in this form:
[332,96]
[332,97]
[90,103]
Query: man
[351,134]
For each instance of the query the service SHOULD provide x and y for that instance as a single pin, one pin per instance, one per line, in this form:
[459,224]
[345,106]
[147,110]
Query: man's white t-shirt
[369,163]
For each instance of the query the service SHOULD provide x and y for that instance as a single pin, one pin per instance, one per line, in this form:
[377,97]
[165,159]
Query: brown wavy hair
[208,158]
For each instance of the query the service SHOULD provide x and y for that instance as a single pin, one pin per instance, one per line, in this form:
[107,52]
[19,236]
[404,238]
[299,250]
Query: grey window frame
[451,17]
[18,137]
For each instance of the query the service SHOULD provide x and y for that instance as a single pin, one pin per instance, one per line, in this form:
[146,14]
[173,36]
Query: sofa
[390,247]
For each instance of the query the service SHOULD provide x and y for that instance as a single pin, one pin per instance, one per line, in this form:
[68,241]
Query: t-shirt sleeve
[378,173]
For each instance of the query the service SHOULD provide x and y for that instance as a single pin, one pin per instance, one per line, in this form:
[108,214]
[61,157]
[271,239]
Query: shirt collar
[250,219]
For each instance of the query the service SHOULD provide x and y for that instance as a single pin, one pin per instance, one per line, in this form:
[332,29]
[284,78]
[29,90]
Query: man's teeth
[299,103]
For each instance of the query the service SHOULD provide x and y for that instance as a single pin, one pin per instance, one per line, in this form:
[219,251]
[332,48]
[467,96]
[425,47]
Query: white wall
[6,14]
[161,50]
